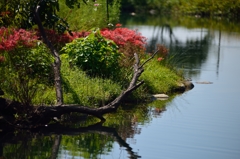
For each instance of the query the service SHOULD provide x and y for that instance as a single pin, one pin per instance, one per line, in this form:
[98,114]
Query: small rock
[161,96]
[204,82]
[188,85]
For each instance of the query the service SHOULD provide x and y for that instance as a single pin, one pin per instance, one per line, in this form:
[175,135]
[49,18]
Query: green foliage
[158,78]
[94,54]
[91,15]
[80,88]
[24,70]
[21,13]
[216,7]
[201,7]
[147,5]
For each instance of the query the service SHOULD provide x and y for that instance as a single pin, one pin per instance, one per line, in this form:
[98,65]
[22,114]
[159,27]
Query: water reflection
[71,141]
[86,142]
[201,123]
[206,127]
[189,47]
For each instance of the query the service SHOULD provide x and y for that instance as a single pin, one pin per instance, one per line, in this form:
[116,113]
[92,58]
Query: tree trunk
[57,60]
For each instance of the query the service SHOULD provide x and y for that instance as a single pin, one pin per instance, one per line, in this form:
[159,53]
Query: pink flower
[160,59]
[96,4]
[118,25]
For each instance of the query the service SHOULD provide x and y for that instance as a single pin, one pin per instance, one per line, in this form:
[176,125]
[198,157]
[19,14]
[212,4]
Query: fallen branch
[54,111]
[44,114]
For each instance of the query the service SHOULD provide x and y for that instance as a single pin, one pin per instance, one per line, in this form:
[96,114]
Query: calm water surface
[204,122]
[201,123]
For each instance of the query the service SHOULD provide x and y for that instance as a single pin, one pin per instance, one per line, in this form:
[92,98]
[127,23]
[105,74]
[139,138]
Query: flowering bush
[59,40]
[122,36]
[94,54]
[13,38]
[25,63]
[129,42]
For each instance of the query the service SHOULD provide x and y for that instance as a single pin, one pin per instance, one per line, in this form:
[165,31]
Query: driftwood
[44,114]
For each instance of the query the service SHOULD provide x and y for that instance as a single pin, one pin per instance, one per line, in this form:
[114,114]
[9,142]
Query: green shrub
[94,54]
[24,70]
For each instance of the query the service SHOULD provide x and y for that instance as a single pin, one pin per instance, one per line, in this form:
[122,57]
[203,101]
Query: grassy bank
[94,70]
[79,88]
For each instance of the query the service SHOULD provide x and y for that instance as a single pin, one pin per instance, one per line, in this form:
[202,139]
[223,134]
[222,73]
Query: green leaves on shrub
[94,54]
[25,71]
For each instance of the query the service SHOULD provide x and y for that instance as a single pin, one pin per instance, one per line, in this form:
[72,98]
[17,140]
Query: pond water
[203,122]
[200,123]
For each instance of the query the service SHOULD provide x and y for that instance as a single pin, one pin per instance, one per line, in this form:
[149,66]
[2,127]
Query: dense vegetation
[194,7]
[41,55]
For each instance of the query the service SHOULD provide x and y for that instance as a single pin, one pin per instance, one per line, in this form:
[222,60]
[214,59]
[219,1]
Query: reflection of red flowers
[118,25]
[160,59]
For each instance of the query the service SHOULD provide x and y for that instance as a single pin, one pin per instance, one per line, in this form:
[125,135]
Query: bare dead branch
[150,58]
[44,114]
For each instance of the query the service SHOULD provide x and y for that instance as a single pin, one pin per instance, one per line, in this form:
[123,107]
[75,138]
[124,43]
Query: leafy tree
[43,13]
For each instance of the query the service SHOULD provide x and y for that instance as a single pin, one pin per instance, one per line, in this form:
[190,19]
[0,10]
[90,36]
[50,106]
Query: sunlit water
[204,122]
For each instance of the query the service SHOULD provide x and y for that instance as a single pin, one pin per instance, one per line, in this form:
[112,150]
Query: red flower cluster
[12,38]
[61,39]
[122,36]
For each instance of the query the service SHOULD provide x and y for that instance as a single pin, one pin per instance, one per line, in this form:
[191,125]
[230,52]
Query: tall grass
[159,78]
[80,88]
[91,15]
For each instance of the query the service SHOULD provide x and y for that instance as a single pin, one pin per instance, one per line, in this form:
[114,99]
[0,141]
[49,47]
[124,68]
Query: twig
[149,58]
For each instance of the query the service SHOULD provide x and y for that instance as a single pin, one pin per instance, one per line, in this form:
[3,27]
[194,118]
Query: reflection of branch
[55,147]
[96,128]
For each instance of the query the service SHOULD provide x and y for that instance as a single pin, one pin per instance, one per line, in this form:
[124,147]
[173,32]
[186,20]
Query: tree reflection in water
[64,141]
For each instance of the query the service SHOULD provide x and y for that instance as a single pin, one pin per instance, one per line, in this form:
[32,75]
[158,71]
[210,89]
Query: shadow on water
[68,140]
[46,142]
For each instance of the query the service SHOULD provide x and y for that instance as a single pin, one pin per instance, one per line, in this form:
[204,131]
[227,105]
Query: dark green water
[201,123]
